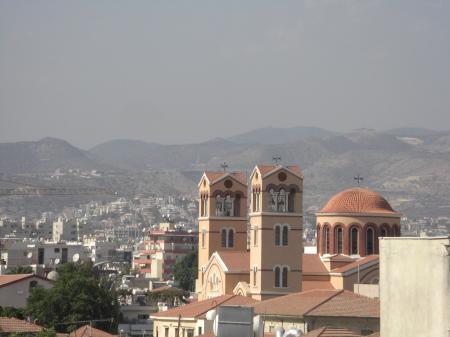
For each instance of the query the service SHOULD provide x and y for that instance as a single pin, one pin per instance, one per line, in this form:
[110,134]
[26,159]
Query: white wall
[414,287]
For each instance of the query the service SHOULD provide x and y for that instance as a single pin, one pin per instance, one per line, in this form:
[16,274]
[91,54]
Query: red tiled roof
[314,285]
[16,325]
[354,265]
[88,331]
[213,176]
[333,332]
[296,304]
[197,309]
[358,200]
[236,261]
[337,303]
[348,304]
[265,169]
[312,263]
[7,279]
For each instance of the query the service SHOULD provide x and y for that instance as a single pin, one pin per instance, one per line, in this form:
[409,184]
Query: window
[354,241]
[219,205]
[227,238]
[277,235]
[203,237]
[370,238]
[384,232]
[277,277]
[281,235]
[228,206]
[281,204]
[199,330]
[284,277]
[281,276]
[237,206]
[166,332]
[326,240]
[56,250]
[272,200]
[255,271]
[223,237]
[339,237]
[285,236]
[291,200]
[255,236]
[230,238]
[190,333]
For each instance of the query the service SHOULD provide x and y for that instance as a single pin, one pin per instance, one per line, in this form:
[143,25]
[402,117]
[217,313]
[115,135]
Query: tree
[186,271]
[12,312]
[20,270]
[78,295]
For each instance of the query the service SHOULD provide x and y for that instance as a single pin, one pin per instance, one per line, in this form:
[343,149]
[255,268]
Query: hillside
[412,171]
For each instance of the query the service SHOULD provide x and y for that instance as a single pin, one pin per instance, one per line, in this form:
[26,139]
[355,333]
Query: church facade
[251,235]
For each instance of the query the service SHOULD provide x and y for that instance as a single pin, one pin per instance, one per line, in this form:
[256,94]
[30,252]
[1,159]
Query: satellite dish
[76,257]
[30,255]
[211,315]
[57,261]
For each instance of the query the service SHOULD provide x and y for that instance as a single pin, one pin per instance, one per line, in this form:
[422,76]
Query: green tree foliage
[12,312]
[20,270]
[186,271]
[78,295]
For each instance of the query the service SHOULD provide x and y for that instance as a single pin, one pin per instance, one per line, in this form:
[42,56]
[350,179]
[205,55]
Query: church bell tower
[222,222]
[276,231]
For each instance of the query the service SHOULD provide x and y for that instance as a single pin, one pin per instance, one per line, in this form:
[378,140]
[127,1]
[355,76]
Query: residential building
[15,288]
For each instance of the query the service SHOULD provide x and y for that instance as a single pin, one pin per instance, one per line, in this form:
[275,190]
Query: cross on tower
[358,179]
[276,159]
[224,166]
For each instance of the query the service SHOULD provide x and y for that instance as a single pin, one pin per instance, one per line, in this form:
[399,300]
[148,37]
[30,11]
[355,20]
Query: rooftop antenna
[358,179]
[224,166]
[276,159]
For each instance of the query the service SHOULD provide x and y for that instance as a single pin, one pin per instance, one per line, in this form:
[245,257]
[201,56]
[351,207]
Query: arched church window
[223,238]
[230,243]
[255,236]
[277,235]
[237,205]
[370,240]
[228,205]
[339,240]
[277,276]
[354,241]
[203,237]
[285,236]
[253,201]
[291,200]
[281,205]
[326,239]
[284,277]
[219,205]
[384,232]
[272,200]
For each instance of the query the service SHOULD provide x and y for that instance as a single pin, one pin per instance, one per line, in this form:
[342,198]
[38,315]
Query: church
[251,237]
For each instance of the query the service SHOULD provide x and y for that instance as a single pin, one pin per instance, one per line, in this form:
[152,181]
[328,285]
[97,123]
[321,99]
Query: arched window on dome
[354,241]
[326,240]
[370,241]
[339,240]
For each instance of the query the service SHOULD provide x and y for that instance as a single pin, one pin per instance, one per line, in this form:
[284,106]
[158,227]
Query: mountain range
[409,166]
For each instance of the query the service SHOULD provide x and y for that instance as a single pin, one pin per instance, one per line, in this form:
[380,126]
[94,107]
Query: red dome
[357,200]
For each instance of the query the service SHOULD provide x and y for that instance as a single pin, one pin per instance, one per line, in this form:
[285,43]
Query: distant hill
[281,135]
[44,155]
[412,171]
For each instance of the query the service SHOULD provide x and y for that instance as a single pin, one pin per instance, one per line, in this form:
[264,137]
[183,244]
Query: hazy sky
[188,71]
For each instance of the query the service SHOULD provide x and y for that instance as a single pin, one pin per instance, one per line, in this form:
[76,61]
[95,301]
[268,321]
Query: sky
[188,71]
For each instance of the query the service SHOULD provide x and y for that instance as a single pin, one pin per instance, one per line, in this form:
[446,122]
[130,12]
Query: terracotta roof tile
[16,325]
[333,332]
[238,175]
[354,265]
[197,309]
[7,279]
[87,331]
[236,261]
[348,304]
[296,304]
[358,200]
[314,285]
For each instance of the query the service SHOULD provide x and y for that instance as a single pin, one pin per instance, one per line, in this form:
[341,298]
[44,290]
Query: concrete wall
[414,287]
